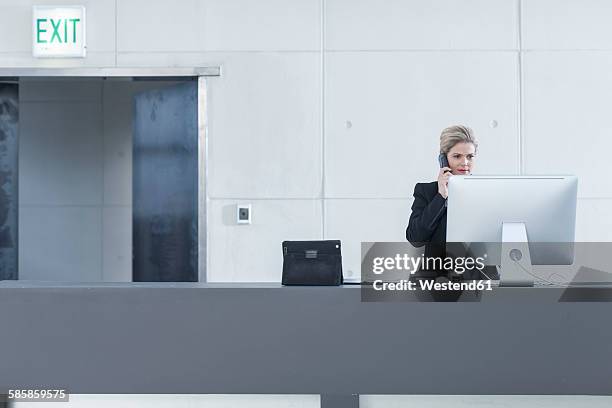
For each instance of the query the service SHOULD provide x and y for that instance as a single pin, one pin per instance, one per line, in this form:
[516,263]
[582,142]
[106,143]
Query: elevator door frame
[199,73]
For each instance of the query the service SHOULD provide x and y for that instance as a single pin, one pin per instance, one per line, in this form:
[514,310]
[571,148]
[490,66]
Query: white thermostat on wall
[58,31]
[243,214]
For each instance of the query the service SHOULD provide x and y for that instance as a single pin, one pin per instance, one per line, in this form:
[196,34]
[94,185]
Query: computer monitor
[517,221]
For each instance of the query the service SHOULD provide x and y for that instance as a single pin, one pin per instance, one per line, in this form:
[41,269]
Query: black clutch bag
[312,263]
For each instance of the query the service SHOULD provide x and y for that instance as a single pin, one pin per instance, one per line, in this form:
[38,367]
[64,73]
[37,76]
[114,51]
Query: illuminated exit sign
[58,31]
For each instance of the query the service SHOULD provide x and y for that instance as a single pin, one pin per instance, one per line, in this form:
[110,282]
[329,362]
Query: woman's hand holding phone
[443,176]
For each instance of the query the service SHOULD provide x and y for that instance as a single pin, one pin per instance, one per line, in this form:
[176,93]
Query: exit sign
[58,31]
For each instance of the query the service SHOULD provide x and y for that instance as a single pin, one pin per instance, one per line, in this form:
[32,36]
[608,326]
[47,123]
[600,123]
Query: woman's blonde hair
[456,134]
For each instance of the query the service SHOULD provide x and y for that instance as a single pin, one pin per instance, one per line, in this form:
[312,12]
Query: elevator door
[9,121]
[165,184]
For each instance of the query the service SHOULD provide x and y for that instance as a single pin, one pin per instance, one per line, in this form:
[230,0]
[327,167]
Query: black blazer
[427,224]
[428,219]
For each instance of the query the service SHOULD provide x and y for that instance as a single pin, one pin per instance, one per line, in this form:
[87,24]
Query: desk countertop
[264,338]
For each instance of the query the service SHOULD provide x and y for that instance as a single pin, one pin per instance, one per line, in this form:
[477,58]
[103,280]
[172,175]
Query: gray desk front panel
[193,338]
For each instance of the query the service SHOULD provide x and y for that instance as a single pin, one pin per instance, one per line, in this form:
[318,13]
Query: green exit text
[58,29]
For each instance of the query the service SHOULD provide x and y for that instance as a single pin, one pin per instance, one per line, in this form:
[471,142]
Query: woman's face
[461,158]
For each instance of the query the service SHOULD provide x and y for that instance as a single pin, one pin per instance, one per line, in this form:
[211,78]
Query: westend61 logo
[58,31]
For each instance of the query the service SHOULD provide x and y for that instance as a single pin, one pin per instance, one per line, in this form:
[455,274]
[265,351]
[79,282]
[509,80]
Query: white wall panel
[565,122]
[354,221]
[421,25]
[384,113]
[59,158]
[252,253]
[594,220]
[566,24]
[144,25]
[60,243]
[118,111]
[234,25]
[265,126]
[117,244]
[60,180]
[16,24]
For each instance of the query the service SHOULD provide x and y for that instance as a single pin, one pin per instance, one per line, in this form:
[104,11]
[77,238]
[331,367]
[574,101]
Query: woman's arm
[425,217]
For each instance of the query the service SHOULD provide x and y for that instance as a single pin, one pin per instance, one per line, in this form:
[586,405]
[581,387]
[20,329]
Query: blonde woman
[427,225]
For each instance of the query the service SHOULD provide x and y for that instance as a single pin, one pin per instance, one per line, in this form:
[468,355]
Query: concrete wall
[60,180]
[328,111]
[326,115]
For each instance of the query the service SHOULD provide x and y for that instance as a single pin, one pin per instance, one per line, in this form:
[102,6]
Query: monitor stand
[516,269]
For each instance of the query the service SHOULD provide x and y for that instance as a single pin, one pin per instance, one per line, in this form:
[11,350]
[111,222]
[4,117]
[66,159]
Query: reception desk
[267,339]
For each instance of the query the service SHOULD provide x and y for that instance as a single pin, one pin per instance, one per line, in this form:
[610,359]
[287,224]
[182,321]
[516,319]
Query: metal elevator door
[9,142]
[165,184]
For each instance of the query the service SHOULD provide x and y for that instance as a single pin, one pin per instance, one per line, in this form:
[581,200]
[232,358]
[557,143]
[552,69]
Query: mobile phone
[443,160]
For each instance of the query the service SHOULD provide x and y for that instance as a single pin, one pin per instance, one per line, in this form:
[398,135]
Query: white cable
[540,278]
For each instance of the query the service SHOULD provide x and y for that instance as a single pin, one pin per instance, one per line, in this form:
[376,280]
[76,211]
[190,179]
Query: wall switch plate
[243,214]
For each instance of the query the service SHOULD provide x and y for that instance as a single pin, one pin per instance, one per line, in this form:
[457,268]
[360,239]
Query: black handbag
[312,263]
